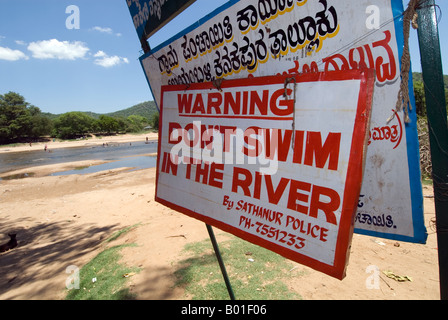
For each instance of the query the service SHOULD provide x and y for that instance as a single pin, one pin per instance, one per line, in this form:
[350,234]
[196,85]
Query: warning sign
[266,38]
[277,161]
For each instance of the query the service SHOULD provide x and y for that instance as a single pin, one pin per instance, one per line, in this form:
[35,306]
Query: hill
[145,109]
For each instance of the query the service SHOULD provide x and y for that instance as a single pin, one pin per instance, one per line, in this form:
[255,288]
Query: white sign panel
[285,37]
[281,172]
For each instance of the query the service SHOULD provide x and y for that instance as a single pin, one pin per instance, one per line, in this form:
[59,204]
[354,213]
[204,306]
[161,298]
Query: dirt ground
[62,221]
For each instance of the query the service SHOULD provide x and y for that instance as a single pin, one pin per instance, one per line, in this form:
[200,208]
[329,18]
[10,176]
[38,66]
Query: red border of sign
[354,171]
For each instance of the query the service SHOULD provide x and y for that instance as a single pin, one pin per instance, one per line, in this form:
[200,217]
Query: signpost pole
[220,261]
[438,130]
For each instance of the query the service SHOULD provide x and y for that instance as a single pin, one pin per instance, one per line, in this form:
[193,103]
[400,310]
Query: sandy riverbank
[62,221]
[90,141]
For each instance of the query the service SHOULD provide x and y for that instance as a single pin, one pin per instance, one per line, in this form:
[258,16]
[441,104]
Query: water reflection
[134,163]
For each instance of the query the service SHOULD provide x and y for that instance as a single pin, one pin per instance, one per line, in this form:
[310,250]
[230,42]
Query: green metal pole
[220,261]
[431,62]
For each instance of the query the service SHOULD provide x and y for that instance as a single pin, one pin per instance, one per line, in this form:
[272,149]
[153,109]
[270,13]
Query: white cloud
[105,30]
[106,61]
[11,55]
[100,54]
[62,50]
[55,49]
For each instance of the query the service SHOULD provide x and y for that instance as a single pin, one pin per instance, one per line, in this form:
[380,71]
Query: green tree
[19,119]
[420,101]
[14,117]
[72,124]
[40,124]
[136,123]
[108,124]
[419,94]
[122,125]
[155,121]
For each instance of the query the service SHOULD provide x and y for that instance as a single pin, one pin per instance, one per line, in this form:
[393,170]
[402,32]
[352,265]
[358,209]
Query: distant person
[45,148]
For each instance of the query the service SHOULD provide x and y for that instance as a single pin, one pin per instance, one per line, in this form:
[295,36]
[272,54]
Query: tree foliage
[419,93]
[20,120]
[154,122]
[108,124]
[72,124]
[136,123]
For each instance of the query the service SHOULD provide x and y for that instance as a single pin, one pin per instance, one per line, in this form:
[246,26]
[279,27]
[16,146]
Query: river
[134,155]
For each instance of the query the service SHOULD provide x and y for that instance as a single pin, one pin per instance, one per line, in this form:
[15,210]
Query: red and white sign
[277,160]
[266,38]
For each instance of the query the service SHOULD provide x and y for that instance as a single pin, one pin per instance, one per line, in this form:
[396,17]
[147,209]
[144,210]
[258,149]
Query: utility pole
[428,38]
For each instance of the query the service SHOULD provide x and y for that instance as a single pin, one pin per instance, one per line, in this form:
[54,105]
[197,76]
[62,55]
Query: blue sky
[95,68]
